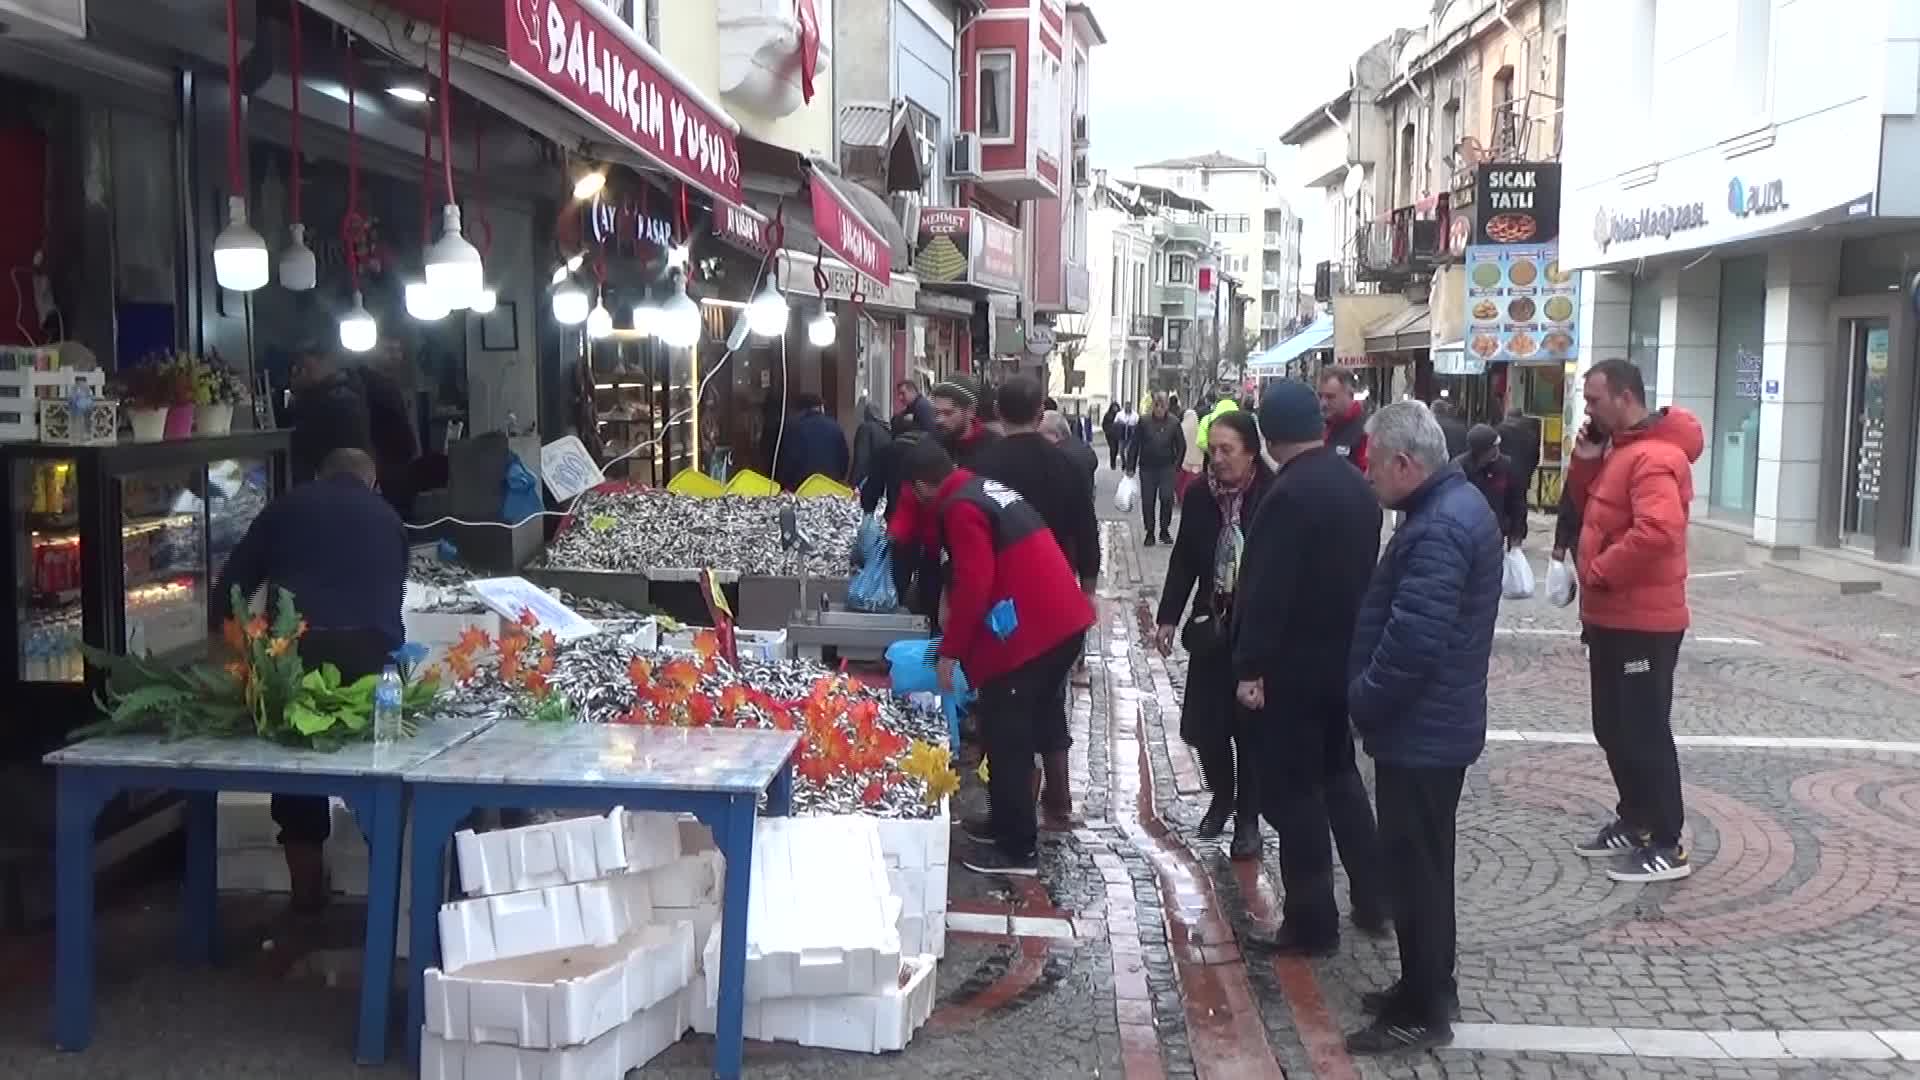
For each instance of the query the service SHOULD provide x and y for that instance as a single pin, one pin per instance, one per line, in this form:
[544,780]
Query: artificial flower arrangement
[214,383]
[161,382]
[261,689]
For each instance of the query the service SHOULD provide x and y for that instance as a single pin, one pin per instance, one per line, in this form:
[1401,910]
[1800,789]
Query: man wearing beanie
[1489,469]
[1309,555]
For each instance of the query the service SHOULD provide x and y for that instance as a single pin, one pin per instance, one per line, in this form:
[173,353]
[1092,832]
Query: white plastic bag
[1516,576]
[1560,579]
[1127,495]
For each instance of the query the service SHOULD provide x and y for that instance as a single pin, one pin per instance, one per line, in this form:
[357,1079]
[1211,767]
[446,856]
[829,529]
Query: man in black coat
[909,402]
[1056,485]
[813,443]
[1520,441]
[1060,431]
[1309,555]
[352,407]
[1452,425]
[1154,455]
[1498,478]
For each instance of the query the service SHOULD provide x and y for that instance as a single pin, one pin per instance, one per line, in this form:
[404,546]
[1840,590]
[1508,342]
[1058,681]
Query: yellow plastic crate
[690,481]
[822,484]
[748,482]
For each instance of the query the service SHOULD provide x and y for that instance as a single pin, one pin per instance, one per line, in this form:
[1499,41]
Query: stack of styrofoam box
[916,858]
[576,953]
[765,646]
[824,966]
[438,630]
[250,858]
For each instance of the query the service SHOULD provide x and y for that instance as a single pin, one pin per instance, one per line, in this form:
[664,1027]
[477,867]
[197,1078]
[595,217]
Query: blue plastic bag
[872,586]
[520,499]
[910,663]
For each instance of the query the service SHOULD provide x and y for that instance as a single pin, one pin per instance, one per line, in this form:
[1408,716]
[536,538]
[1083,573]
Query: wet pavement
[1789,952]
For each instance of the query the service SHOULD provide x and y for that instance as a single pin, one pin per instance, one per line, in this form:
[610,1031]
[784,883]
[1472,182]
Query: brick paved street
[1798,929]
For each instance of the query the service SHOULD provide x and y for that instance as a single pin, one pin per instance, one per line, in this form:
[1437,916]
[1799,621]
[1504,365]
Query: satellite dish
[1356,179]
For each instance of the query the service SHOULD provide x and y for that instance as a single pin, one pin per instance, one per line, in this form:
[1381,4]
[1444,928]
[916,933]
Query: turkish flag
[809,45]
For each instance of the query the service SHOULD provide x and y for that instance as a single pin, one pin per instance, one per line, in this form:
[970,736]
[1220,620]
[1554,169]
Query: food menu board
[1521,306]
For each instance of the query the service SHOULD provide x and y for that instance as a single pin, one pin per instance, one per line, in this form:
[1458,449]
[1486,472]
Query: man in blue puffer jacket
[1418,697]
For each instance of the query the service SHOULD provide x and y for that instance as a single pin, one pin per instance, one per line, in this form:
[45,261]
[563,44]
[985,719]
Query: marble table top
[259,755]
[614,756]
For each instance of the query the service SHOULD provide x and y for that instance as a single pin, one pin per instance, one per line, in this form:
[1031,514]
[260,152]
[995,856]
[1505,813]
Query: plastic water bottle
[386,708]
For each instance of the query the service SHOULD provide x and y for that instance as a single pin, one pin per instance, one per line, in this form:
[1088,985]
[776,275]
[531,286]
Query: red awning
[843,231]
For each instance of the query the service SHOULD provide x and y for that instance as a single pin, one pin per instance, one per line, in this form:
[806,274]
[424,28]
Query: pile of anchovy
[591,674]
[450,595]
[659,530]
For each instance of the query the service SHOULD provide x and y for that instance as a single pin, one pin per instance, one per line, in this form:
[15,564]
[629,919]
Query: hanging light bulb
[569,303]
[358,331]
[679,320]
[599,321]
[298,270]
[453,265]
[823,331]
[646,316]
[485,302]
[589,184]
[240,257]
[424,302]
[767,314]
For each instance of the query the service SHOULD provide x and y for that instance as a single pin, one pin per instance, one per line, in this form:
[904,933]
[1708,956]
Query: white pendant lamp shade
[298,270]
[646,317]
[767,314]
[822,331]
[240,258]
[358,332]
[679,322]
[485,302]
[424,302]
[569,304]
[453,265]
[599,321]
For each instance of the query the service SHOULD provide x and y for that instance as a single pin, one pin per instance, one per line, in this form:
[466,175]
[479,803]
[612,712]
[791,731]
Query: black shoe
[1384,1038]
[1215,821]
[1285,941]
[1615,839]
[1378,1002]
[1372,924]
[1247,841]
[1650,864]
[1166,537]
[978,828]
[989,859]
[1149,538]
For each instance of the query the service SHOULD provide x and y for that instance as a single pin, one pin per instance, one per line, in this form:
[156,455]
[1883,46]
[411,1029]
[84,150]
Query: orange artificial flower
[639,672]
[256,627]
[548,642]
[300,630]
[509,667]
[875,790]
[471,639]
[238,669]
[233,635]
[279,646]
[706,643]
[460,664]
[527,618]
[537,683]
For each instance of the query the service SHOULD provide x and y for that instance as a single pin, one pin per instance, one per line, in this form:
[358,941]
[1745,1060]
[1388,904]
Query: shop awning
[1402,332]
[619,95]
[1318,334]
[843,228]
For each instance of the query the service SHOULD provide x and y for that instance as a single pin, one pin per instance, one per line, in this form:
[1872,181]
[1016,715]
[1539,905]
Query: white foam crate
[864,1023]
[916,853]
[588,914]
[439,630]
[561,999]
[768,646]
[631,1045]
[704,918]
[564,852]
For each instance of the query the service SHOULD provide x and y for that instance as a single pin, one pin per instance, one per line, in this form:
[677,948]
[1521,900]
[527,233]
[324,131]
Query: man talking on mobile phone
[1632,491]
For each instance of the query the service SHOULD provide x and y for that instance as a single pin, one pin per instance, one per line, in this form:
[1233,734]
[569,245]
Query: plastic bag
[910,667]
[1516,576]
[1127,495]
[872,587]
[1561,587]
[520,493]
[868,540]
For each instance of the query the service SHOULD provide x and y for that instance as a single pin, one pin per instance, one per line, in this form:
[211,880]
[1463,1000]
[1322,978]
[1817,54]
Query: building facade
[1747,203]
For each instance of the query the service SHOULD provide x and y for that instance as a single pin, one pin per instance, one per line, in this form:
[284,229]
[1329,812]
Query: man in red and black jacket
[1016,619]
[1346,416]
[912,531]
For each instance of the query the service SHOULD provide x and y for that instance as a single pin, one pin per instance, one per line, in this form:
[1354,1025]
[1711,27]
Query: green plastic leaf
[309,722]
[601,522]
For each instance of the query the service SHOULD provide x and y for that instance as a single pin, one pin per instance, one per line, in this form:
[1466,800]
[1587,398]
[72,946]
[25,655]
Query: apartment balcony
[1147,328]
[1269,281]
[1270,320]
[1175,299]
[1183,232]
[1272,242]
[1412,240]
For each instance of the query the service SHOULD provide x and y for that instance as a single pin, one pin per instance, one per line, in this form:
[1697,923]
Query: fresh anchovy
[655,530]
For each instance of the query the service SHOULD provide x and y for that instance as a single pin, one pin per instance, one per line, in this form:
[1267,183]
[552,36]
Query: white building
[1258,233]
[1119,324]
[1740,171]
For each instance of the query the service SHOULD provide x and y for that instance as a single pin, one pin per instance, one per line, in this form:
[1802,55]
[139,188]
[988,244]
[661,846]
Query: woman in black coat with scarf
[1205,564]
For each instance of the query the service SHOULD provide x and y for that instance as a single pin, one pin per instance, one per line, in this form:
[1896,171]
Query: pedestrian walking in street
[1124,425]
[1205,565]
[1194,463]
[1453,425]
[1496,477]
[1060,431]
[870,441]
[1418,697]
[1631,483]
[814,444]
[1222,405]
[1310,552]
[1055,485]
[1345,414]
[1016,621]
[1520,441]
[1110,430]
[1154,456]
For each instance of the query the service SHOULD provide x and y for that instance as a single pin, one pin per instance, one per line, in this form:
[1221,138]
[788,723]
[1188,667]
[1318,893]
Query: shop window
[1179,269]
[1643,332]
[1736,387]
[995,87]
[925,130]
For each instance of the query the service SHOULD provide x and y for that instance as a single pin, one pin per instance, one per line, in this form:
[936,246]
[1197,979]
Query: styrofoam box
[634,1043]
[562,998]
[821,918]
[704,917]
[438,631]
[871,1023]
[768,646]
[587,914]
[564,852]
[916,853]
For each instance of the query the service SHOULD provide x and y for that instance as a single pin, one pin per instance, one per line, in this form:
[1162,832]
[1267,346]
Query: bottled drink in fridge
[386,708]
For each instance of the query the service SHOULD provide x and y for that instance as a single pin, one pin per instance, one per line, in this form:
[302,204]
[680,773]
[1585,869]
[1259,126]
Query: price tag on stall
[568,469]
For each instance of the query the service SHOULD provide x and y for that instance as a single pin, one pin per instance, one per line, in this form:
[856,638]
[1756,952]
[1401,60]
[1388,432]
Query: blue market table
[718,775]
[368,778]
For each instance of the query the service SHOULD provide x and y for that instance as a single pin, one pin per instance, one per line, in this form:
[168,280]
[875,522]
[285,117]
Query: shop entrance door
[1869,358]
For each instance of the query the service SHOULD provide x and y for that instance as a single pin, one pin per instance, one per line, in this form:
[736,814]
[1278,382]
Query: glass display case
[644,397]
[118,546]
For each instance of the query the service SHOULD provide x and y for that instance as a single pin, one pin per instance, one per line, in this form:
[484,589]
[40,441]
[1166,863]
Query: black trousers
[1016,712]
[307,819]
[1310,785]
[1417,808]
[1632,673]
[1156,489]
[1213,723]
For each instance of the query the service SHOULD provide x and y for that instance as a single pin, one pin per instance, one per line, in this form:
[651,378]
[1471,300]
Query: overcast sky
[1180,77]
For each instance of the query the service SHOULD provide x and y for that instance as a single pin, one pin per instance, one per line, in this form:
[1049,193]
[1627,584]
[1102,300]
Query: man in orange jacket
[1632,483]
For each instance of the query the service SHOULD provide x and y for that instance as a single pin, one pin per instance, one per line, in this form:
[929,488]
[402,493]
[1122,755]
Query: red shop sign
[742,227]
[845,233]
[585,57]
